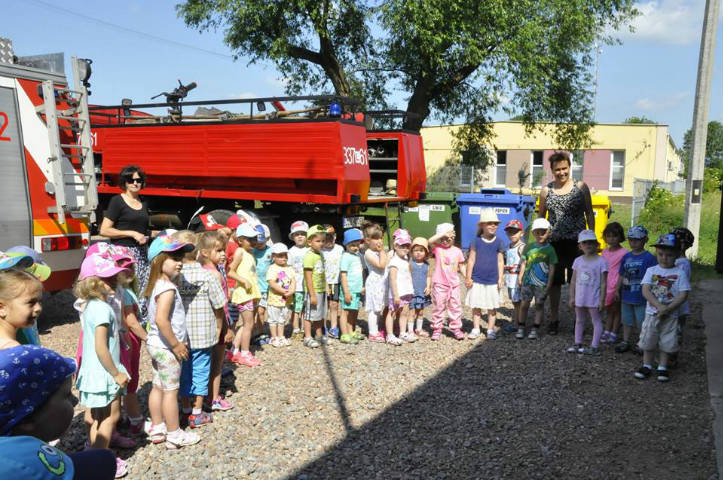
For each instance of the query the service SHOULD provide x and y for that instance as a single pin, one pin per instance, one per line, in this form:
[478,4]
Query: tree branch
[305,54]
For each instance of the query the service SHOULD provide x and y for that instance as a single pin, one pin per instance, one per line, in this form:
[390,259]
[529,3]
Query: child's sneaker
[394,340]
[333,333]
[358,335]
[622,347]
[605,336]
[275,342]
[297,334]
[285,342]
[311,343]
[533,334]
[458,334]
[121,468]
[228,356]
[408,337]
[612,338]
[591,351]
[246,359]
[510,328]
[421,333]
[195,421]
[437,334]
[520,333]
[156,433]
[323,340]
[378,338]
[577,348]
[663,375]
[179,438]
[348,339]
[643,373]
[221,404]
[474,333]
[491,334]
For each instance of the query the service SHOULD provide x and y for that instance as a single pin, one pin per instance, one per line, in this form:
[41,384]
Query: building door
[16,219]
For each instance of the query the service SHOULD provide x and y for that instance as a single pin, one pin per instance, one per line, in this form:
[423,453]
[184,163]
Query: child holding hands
[449,263]
[485,267]
[588,287]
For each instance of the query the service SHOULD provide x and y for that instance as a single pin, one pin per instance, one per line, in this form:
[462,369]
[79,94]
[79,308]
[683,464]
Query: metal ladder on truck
[71,164]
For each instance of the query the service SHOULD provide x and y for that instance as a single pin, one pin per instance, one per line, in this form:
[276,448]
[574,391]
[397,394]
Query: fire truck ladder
[81,184]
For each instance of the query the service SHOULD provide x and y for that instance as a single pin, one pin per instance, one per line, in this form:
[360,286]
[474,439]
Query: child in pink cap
[401,290]
[449,263]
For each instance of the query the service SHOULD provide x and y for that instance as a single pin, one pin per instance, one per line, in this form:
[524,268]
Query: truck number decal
[3,126]
[355,156]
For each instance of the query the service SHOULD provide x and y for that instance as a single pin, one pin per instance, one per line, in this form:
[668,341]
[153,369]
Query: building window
[501,168]
[577,158]
[617,170]
[538,169]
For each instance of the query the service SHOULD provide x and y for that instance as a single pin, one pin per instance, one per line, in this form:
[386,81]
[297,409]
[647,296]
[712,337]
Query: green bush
[712,179]
[662,210]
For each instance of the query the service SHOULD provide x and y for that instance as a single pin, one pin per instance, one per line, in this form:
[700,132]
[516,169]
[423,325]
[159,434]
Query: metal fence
[641,189]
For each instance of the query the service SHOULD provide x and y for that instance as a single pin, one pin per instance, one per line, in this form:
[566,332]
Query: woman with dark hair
[569,206]
[126,220]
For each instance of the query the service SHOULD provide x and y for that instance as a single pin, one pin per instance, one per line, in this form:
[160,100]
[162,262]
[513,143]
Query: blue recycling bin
[508,206]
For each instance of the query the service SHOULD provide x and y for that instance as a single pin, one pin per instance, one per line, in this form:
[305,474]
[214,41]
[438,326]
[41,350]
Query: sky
[140,48]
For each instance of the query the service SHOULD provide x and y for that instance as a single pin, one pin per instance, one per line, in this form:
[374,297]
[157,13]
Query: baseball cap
[586,236]
[99,266]
[298,226]
[667,240]
[39,268]
[402,237]
[233,221]
[637,231]
[443,228]
[210,223]
[515,224]
[353,235]
[30,458]
[164,243]
[10,260]
[121,255]
[246,230]
[315,230]
[279,248]
[30,374]
[540,224]
[261,233]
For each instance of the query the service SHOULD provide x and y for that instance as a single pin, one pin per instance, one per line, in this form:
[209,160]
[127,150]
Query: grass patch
[664,212]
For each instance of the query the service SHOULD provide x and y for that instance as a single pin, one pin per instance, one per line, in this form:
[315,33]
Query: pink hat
[99,266]
[401,237]
[123,256]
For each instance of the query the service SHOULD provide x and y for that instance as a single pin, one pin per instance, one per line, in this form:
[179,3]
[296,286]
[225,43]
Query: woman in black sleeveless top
[569,206]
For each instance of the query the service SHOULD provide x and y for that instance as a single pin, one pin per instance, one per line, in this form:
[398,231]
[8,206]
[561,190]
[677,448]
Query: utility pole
[694,184]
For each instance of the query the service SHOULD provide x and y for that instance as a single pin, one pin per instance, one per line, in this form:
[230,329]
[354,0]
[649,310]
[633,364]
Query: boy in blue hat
[36,406]
[351,281]
[665,287]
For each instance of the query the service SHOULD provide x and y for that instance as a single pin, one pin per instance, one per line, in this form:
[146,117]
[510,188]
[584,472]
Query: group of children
[216,289]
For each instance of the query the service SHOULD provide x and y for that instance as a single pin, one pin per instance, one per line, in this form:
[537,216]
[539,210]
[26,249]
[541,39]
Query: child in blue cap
[351,280]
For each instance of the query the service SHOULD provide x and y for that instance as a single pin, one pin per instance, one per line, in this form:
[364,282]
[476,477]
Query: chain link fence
[641,189]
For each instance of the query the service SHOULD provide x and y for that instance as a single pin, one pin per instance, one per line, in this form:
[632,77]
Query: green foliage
[713,146]
[662,210]
[712,178]
[452,59]
[643,119]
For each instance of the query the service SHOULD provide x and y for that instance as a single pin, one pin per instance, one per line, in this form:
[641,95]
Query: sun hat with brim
[279,248]
[667,240]
[298,226]
[167,244]
[586,236]
[421,242]
[39,268]
[540,224]
[99,266]
[315,230]
[514,224]
[123,256]
[353,235]
[29,376]
[246,230]
[488,215]
[443,228]
[15,260]
[402,238]
[638,231]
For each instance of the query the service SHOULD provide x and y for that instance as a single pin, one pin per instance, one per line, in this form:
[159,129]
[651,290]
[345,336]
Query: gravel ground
[473,409]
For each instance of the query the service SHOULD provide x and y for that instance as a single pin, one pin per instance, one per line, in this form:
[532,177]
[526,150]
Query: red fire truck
[47,182]
[321,161]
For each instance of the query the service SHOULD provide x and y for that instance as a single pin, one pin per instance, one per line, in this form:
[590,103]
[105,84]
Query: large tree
[454,60]
[713,146]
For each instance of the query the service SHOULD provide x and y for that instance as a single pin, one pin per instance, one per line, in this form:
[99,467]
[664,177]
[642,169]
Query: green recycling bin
[422,218]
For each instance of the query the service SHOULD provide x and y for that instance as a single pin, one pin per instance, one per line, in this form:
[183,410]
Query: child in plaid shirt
[203,300]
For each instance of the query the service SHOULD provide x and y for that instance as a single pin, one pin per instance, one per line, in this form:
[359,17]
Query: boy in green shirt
[315,282]
[537,270]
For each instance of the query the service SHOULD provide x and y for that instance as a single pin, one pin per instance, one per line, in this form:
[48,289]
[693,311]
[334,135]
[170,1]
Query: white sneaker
[179,439]
[394,340]
[533,334]
[491,334]
[474,333]
[156,433]
[520,333]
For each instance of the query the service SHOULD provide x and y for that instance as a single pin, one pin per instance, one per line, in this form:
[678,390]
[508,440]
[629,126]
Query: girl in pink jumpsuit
[446,298]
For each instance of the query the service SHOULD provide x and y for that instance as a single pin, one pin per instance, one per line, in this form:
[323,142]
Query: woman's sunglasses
[139,181]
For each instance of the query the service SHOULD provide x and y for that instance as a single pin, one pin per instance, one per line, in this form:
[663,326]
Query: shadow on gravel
[57,310]
[527,410]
